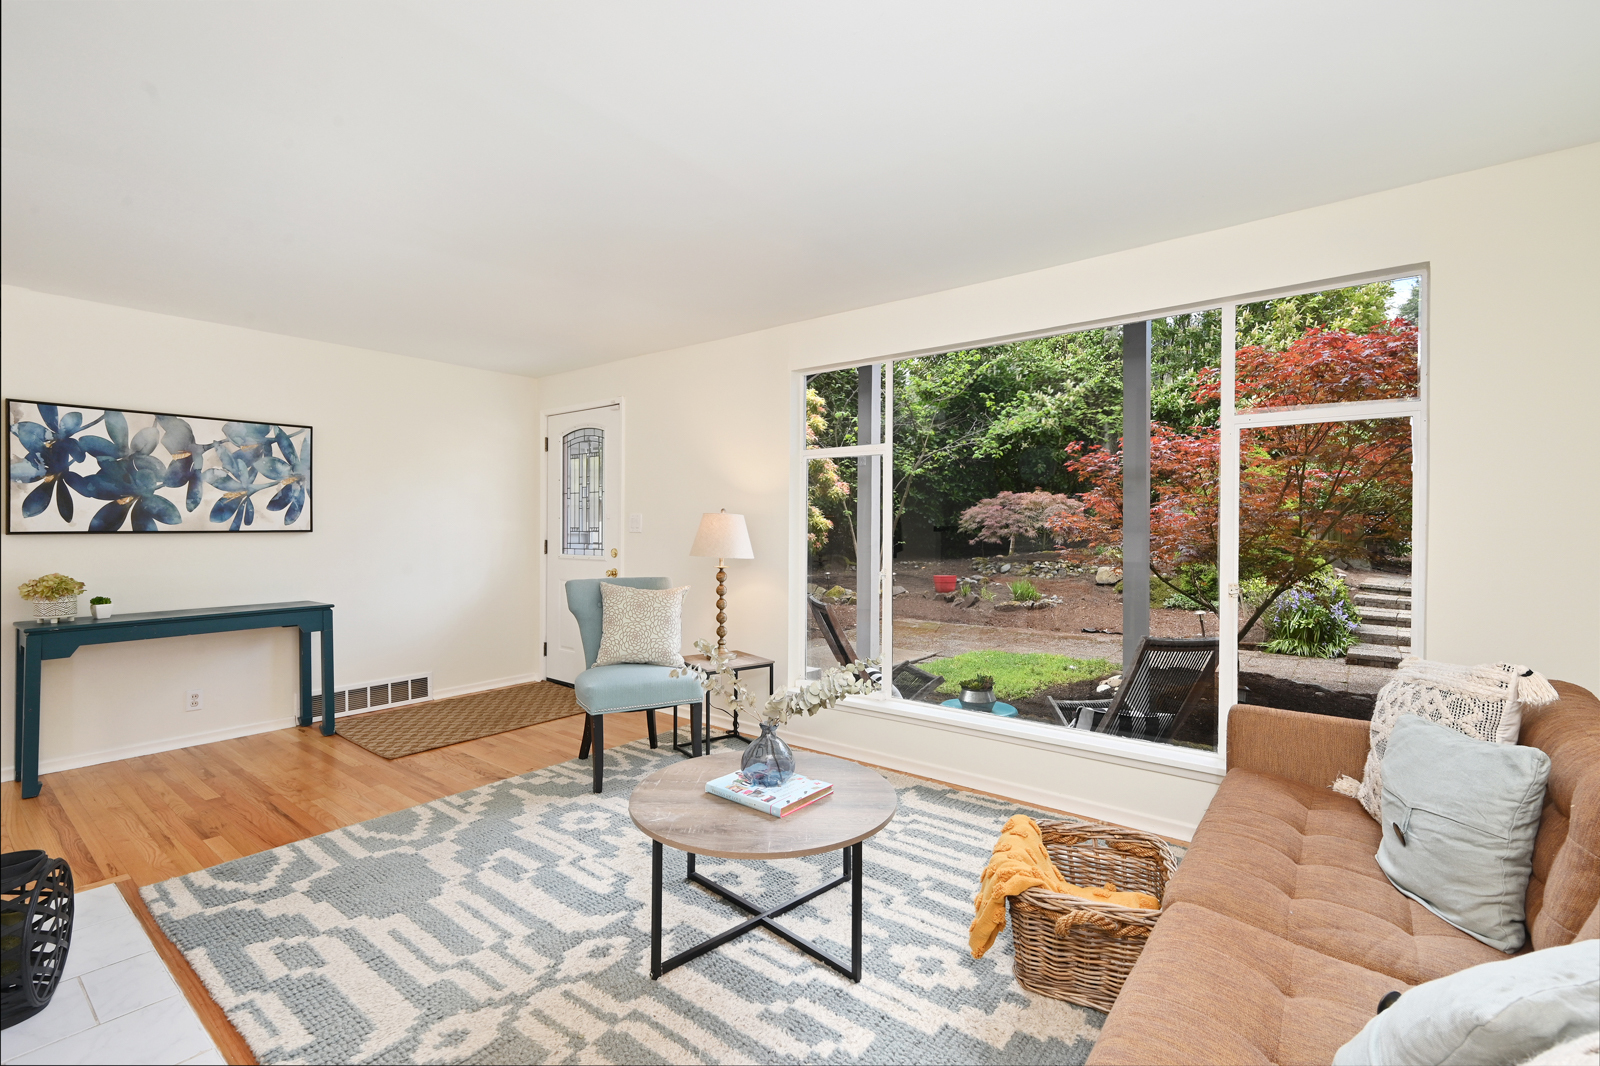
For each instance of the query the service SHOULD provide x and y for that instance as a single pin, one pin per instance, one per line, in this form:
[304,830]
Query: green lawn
[1018,674]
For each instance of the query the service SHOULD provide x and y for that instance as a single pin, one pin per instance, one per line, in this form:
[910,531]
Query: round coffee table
[673,809]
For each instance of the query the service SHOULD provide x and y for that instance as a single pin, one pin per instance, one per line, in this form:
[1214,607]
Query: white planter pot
[101,610]
[55,610]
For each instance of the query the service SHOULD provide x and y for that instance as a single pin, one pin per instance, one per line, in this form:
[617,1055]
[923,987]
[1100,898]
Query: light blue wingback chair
[603,690]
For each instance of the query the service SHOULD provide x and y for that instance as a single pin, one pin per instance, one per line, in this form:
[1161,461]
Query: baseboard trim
[154,747]
[1055,801]
[484,686]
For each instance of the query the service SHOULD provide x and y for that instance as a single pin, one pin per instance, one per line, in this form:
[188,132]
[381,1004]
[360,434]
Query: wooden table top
[673,806]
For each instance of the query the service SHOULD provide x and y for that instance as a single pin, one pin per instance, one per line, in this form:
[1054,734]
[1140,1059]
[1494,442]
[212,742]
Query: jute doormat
[437,723]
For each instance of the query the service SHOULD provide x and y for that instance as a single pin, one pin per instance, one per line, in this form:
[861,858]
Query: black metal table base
[762,917]
[732,734]
[682,747]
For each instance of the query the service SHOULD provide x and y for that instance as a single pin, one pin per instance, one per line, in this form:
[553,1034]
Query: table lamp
[722,536]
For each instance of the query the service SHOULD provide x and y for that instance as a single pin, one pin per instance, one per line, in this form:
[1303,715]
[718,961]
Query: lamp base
[722,603]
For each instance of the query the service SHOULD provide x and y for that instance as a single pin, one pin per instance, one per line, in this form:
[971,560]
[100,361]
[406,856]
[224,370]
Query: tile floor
[116,1003]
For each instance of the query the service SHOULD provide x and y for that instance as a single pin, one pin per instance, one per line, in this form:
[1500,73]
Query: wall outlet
[636,523]
[195,702]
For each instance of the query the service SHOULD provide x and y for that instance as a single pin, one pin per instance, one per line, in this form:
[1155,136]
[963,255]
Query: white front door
[583,537]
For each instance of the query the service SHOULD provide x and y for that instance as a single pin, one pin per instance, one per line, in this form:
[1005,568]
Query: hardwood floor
[159,816]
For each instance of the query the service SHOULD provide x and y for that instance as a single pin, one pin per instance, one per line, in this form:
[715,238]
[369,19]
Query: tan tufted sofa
[1281,934]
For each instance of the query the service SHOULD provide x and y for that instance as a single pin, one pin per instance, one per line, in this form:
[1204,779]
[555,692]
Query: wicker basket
[1075,949]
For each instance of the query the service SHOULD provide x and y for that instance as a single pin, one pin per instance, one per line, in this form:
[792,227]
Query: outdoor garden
[1007,485]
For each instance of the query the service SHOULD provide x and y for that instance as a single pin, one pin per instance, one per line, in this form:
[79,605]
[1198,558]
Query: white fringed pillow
[641,625]
[1484,702]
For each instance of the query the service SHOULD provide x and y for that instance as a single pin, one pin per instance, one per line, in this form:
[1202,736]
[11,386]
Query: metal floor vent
[378,694]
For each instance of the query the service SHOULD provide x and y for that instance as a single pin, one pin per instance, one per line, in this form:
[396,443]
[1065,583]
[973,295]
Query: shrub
[1196,584]
[1315,618]
[50,587]
[1024,591]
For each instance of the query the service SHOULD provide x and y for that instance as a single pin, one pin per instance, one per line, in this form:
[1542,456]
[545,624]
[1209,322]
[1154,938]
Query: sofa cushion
[1565,887]
[1299,862]
[1210,989]
[1506,1011]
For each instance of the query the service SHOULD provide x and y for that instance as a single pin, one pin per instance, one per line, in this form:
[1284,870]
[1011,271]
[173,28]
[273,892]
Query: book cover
[797,792]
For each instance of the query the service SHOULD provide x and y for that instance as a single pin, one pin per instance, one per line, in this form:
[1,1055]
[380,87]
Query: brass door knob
[612,572]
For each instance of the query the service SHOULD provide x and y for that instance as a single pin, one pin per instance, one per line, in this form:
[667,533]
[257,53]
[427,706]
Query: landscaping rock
[970,601]
[899,590]
[1005,568]
[1105,576]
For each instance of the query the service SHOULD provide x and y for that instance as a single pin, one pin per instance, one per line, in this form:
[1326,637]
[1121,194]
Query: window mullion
[1228,461]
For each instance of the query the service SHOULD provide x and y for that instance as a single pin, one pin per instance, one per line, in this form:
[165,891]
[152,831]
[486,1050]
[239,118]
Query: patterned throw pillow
[641,625]
[1484,702]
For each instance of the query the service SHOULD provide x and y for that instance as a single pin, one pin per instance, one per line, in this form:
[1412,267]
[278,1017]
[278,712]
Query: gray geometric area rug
[510,924]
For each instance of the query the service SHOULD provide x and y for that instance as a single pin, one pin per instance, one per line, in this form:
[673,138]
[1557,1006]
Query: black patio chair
[906,677]
[1171,678]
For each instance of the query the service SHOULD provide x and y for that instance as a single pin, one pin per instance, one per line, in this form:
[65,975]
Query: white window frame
[1166,758]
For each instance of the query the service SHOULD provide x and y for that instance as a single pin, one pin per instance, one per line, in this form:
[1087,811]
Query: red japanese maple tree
[1305,491]
[1004,518]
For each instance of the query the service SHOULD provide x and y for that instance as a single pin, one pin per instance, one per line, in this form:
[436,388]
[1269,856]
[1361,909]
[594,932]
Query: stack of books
[787,798]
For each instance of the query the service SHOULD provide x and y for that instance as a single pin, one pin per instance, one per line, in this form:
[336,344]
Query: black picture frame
[128,480]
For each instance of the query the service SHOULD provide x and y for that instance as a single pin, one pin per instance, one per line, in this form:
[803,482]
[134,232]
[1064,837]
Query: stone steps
[1386,616]
[1376,655]
[1385,632]
[1398,636]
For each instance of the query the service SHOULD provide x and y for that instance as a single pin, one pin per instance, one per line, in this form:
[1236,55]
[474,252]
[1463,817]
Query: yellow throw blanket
[1020,862]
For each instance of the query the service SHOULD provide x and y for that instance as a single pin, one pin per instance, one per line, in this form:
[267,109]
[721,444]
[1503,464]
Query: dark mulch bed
[1269,691]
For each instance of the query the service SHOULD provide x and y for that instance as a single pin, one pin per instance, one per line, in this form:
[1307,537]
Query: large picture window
[1126,528]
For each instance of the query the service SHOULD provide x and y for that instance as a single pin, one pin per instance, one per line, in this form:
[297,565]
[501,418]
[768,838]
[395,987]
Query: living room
[503,227]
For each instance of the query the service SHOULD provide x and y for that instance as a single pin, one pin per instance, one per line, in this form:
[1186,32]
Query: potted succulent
[54,596]
[767,761]
[101,607]
[977,693]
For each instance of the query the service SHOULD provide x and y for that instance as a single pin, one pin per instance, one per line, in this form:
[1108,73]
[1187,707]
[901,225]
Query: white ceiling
[536,186]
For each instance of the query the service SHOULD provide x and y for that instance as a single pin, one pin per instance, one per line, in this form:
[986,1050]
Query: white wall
[1514,491]
[426,499]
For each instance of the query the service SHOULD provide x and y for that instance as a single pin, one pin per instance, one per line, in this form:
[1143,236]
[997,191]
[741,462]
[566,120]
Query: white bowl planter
[55,610]
[101,610]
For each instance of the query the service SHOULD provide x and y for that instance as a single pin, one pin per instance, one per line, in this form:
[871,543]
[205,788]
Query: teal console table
[38,641]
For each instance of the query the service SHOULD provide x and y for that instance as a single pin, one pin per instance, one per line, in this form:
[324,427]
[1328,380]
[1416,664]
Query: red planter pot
[944,582]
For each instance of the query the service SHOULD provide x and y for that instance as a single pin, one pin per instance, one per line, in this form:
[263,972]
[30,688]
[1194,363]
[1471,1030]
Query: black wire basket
[35,931]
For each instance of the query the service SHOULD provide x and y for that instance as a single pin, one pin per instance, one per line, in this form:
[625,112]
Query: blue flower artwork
[80,469]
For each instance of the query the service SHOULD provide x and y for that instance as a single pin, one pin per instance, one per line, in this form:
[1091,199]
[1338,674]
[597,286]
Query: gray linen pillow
[641,625]
[1496,1012]
[1459,819]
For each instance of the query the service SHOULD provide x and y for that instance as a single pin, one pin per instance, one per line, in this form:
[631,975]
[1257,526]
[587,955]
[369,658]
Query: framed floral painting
[77,469]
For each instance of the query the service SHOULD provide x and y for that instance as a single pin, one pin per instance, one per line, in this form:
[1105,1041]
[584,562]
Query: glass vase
[767,762]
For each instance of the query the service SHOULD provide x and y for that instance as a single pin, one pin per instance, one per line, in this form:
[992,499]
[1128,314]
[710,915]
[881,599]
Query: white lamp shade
[722,536]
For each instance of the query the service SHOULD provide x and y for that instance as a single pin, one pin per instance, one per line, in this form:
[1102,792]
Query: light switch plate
[636,523]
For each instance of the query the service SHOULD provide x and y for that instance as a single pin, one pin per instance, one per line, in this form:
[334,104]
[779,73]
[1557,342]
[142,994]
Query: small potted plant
[54,596]
[101,606]
[977,693]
